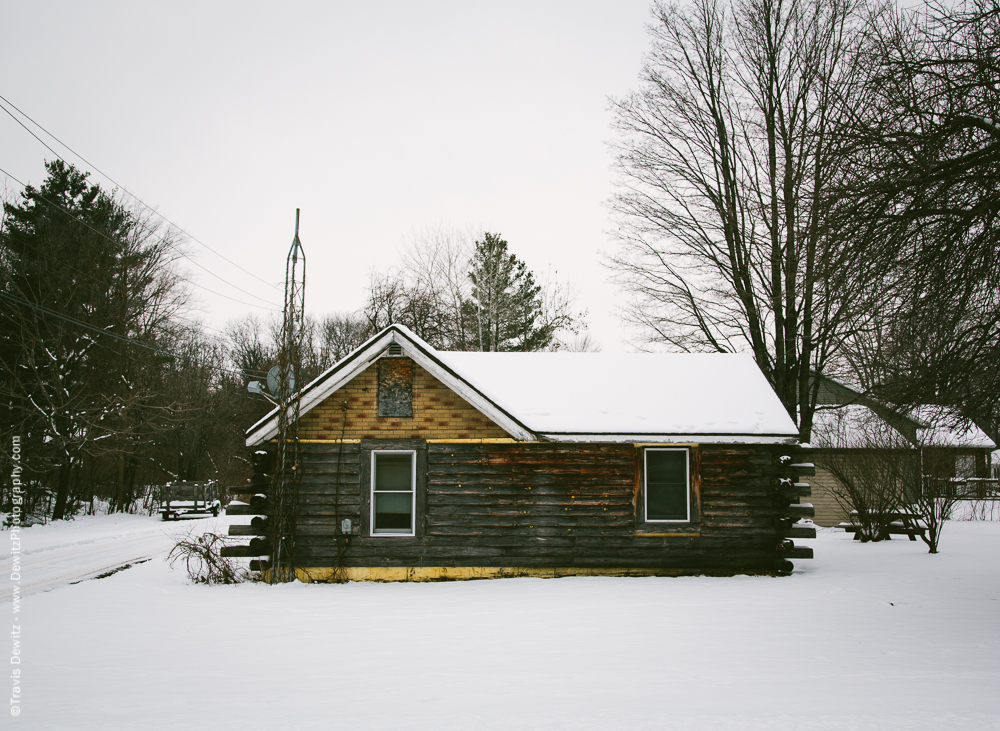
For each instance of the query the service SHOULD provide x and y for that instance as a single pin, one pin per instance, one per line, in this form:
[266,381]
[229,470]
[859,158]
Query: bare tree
[339,334]
[922,187]
[435,261]
[582,343]
[252,345]
[726,157]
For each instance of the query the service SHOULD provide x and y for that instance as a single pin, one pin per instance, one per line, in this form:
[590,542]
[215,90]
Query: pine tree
[505,309]
[74,265]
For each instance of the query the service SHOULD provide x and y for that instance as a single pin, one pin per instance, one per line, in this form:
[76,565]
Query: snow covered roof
[857,426]
[854,426]
[944,427]
[654,397]
[579,395]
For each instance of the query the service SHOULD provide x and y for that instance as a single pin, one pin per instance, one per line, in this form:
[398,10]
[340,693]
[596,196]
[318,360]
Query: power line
[175,374]
[219,338]
[170,244]
[113,335]
[120,187]
[164,241]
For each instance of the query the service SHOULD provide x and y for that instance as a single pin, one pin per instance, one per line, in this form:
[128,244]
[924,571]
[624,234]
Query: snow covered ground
[875,636]
[66,552]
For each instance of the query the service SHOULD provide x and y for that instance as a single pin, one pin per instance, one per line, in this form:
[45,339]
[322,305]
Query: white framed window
[393,497]
[666,488]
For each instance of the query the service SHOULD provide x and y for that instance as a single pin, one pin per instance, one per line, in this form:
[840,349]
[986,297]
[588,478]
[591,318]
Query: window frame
[645,486]
[413,493]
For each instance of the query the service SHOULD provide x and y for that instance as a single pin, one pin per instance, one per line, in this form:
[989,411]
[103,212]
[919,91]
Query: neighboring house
[848,420]
[467,465]
[952,447]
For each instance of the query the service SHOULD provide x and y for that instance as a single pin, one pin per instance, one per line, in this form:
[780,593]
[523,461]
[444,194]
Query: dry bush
[205,564]
[876,469]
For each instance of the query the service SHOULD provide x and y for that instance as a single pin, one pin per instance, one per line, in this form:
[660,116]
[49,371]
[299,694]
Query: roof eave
[672,438]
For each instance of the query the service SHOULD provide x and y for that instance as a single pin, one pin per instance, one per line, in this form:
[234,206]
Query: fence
[962,488]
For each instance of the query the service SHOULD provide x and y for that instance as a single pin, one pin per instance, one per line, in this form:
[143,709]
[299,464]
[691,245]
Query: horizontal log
[798,552]
[710,511]
[797,531]
[329,448]
[245,510]
[241,552]
[796,489]
[539,515]
[330,476]
[804,510]
[463,500]
[246,530]
[329,498]
[758,502]
[542,473]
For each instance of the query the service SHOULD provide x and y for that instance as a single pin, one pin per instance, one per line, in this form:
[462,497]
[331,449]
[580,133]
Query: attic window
[395,387]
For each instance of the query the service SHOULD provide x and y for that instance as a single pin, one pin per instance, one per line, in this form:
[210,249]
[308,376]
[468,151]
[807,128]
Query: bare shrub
[934,506]
[205,564]
[982,509]
[876,469]
[873,483]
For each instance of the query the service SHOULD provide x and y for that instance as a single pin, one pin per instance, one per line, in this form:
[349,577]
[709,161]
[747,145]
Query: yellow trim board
[329,441]
[485,440]
[466,573]
[668,535]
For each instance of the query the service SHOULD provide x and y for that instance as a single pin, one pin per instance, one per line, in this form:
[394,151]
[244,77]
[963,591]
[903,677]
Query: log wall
[543,506]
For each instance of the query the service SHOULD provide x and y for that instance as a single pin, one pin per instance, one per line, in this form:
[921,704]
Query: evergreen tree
[74,265]
[505,307]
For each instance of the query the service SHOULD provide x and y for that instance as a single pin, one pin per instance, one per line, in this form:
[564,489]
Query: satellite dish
[274,382]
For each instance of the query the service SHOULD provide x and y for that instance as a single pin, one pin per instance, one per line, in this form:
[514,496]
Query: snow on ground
[64,552]
[874,636]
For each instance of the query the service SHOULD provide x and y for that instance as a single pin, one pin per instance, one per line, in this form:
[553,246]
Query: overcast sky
[376,119]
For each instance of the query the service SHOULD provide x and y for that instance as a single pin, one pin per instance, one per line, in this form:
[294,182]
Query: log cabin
[421,465]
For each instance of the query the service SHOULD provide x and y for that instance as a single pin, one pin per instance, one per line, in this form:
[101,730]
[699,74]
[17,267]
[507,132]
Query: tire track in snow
[47,567]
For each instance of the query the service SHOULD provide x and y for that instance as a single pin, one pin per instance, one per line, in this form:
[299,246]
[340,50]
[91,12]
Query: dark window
[393,480]
[667,492]
[395,387]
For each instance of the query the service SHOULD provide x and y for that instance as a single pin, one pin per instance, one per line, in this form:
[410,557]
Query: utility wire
[174,248]
[113,335]
[220,338]
[177,375]
[120,187]
[171,245]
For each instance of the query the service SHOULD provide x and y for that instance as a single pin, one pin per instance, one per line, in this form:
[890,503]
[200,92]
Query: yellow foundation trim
[329,441]
[668,535]
[465,573]
[497,440]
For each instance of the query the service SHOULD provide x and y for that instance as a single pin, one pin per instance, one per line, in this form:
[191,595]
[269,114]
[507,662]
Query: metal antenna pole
[286,495]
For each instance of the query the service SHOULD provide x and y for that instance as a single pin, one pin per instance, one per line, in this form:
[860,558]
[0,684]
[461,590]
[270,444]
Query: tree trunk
[62,491]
